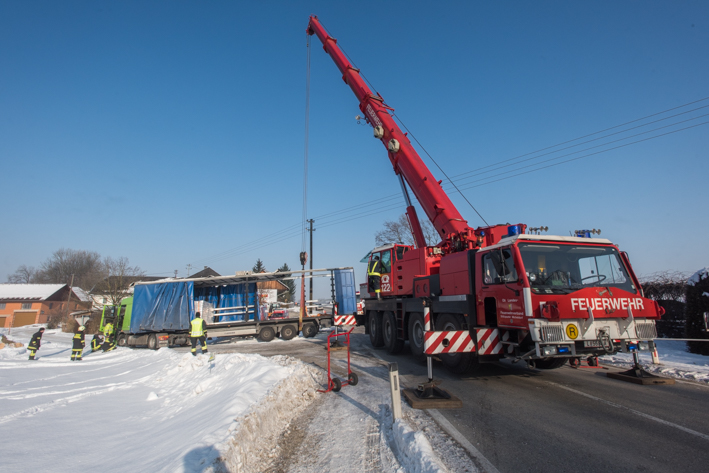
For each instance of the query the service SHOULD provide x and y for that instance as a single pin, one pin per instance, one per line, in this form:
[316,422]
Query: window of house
[50,305]
[26,305]
[2,305]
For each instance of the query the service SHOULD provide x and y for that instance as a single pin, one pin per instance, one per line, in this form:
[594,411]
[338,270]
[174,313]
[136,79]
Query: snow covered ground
[141,410]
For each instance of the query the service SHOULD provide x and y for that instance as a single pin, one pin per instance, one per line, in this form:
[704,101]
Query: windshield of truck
[567,268]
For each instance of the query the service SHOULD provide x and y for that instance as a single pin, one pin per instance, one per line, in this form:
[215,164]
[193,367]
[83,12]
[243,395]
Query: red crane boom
[454,231]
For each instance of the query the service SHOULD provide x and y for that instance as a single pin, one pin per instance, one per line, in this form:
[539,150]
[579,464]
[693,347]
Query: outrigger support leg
[638,375]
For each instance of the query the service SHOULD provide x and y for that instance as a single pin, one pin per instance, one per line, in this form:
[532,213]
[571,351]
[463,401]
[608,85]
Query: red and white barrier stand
[334,383]
[428,395]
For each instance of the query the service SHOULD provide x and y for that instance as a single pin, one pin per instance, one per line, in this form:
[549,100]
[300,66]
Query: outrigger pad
[435,398]
[638,375]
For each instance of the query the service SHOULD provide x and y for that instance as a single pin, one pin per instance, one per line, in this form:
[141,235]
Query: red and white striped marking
[488,341]
[345,320]
[447,342]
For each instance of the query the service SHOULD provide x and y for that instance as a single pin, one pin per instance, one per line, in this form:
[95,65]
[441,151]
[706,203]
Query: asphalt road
[560,420]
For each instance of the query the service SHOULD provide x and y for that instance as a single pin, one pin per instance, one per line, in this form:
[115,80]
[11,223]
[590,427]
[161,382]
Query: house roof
[207,272]
[29,292]
[81,294]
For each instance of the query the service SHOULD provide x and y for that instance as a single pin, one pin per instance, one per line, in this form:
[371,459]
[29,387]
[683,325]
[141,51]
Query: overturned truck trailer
[160,312]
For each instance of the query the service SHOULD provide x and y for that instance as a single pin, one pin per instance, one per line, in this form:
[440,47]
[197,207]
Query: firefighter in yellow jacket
[78,344]
[198,332]
[35,343]
[374,273]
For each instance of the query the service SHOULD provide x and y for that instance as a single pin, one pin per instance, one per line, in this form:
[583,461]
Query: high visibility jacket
[78,341]
[108,329]
[36,340]
[375,268]
[198,328]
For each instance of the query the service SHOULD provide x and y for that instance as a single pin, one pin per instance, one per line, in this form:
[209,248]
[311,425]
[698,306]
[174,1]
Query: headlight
[532,277]
[549,350]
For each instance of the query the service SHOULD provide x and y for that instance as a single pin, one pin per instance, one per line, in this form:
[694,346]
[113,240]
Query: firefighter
[35,342]
[78,344]
[374,274]
[96,342]
[198,332]
[107,330]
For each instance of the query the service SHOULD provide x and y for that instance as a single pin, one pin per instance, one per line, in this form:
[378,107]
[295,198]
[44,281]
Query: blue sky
[172,133]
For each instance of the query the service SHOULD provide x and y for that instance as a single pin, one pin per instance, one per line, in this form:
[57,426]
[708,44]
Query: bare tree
[118,275]
[399,231]
[23,275]
[86,266]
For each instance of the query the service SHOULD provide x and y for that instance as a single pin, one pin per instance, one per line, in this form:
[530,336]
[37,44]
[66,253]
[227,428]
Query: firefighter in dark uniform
[78,344]
[35,342]
[198,332]
[374,272]
[96,342]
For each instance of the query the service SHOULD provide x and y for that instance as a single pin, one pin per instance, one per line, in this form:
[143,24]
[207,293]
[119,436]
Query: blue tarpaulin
[162,307]
[345,292]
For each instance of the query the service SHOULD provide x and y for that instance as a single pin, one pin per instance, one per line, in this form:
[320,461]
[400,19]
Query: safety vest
[196,328]
[108,329]
[374,268]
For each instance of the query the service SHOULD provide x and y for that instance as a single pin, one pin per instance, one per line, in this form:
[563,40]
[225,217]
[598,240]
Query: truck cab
[562,295]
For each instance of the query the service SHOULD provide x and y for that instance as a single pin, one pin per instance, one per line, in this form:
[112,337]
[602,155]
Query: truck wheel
[459,362]
[416,332]
[374,321]
[392,342]
[550,363]
[288,332]
[309,330]
[267,334]
[122,340]
[153,342]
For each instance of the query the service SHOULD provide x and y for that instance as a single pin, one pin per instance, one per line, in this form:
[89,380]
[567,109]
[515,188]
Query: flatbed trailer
[159,313]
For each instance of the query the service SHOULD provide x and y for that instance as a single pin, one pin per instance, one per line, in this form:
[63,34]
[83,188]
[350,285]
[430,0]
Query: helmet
[82,328]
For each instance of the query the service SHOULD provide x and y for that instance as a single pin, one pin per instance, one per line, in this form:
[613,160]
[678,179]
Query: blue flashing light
[513,230]
[583,233]
[632,346]
[563,349]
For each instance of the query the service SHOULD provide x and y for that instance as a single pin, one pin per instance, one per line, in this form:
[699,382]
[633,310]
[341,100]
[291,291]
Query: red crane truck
[487,293]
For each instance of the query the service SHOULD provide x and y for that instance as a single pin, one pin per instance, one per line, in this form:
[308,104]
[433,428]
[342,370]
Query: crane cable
[305,163]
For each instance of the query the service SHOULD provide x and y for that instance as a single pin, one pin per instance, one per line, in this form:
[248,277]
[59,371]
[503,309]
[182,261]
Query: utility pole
[175,274]
[189,266]
[311,256]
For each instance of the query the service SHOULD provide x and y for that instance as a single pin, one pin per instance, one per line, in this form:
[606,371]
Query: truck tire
[416,330]
[457,363]
[392,342]
[550,363]
[309,330]
[153,342]
[374,322]
[267,334]
[122,340]
[288,332]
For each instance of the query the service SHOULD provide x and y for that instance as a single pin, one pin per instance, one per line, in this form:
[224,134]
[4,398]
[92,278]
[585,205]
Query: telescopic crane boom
[454,231]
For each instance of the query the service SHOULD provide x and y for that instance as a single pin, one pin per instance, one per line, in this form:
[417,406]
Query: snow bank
[414,450]
[152,410]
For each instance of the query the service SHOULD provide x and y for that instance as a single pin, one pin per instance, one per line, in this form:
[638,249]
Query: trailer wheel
[392,342]
[122,340]
[459,362]
[336,384]
[267,334]
[416,335]
[550,363]
[309,330]
[374,321]
[288,332]
[352,379]
[153,342]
